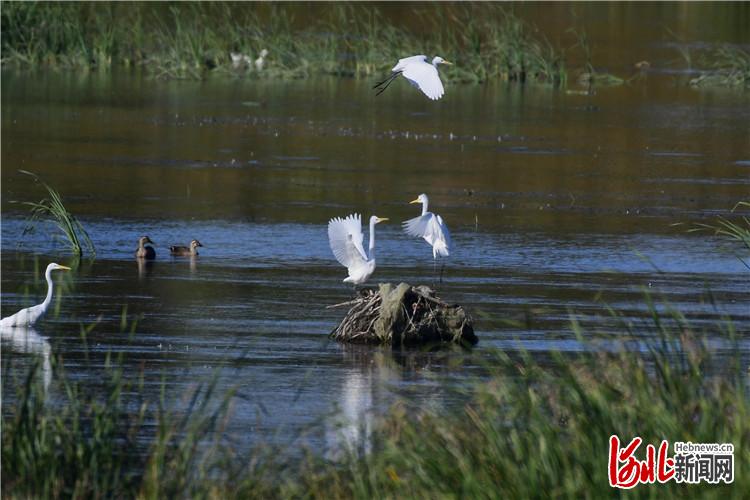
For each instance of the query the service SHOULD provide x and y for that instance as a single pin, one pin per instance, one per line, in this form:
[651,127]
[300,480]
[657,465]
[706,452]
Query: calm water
[556,202]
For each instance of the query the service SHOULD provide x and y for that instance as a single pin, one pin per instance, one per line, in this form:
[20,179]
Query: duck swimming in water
[186,251]
[143,251]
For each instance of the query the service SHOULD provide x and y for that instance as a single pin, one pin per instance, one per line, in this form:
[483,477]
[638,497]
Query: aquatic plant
[589,75]
[738,231]
[729,67]
[54,209]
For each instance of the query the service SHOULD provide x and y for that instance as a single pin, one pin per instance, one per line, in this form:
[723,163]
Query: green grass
[192,40]
[529,429]
[729,67]
[487,41]
[53,208]
[734,230]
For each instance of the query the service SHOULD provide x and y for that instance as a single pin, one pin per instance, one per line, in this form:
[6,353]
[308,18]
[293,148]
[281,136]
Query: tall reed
[54,209]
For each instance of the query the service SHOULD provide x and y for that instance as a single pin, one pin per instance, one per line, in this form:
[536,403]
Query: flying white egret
[345,237]
[30,315]
[430,227]
[420,73]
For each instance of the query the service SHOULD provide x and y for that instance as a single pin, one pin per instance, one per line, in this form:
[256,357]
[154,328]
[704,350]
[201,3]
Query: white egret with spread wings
[419,73]
[346,240]
[431,227]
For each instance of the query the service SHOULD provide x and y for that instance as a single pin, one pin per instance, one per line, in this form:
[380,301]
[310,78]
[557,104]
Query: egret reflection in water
[26,340]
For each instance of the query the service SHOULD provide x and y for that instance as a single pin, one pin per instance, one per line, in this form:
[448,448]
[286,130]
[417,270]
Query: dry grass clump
[404,315]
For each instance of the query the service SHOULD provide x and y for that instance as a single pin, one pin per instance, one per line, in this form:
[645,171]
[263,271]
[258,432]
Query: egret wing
[443,233]
[418,226]
[425,76]
[345,237]
[403,63]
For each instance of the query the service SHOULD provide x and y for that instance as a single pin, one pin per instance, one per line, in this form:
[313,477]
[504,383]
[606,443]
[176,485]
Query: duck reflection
[145,268]
[27,340]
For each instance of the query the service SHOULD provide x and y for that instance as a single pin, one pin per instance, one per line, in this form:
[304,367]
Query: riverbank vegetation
[196,39]
[193,39]
[532,425]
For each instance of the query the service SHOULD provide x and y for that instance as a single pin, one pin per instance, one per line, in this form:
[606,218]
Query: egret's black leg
[391,77]
[387,82]
[386,86]
[442,268]
[381,83]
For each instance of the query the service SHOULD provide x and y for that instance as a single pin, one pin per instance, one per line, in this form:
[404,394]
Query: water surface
[557,203]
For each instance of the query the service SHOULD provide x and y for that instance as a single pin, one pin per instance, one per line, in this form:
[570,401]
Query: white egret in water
[345,237]
[420,73]
[30,315]
[430,227]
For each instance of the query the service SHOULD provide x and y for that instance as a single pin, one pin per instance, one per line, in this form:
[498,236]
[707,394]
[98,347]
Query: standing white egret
[30,315]
[430,227]
[420,73]
[345,237]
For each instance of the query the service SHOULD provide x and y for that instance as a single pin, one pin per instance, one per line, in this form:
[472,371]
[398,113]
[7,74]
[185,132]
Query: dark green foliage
[189,39]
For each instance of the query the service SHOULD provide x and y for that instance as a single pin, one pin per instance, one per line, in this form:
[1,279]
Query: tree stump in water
[404,315]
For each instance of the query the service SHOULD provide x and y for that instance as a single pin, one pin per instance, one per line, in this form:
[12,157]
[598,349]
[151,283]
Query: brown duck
[143,251]
[186,251]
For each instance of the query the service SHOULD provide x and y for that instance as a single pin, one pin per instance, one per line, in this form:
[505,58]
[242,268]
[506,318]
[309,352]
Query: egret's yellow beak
[415,201]
[382,219]
[66,268]
[447,62]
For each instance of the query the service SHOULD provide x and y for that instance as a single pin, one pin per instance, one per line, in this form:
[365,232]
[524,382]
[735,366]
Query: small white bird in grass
[30,315]
[237,58]
[420,73]
[430,227]
[346,238]
[260,61]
